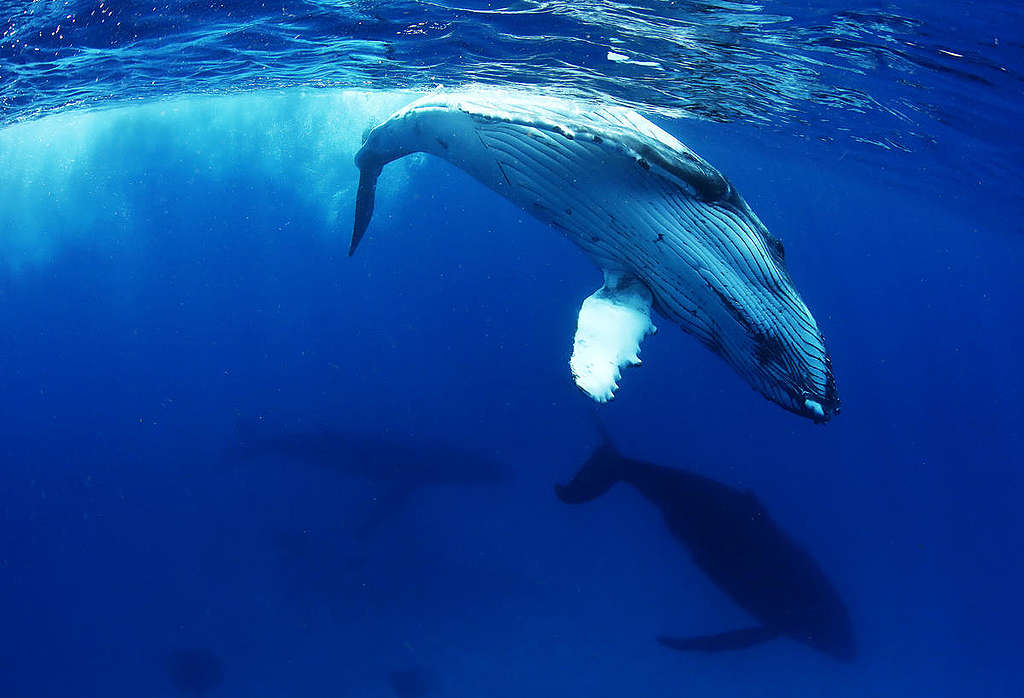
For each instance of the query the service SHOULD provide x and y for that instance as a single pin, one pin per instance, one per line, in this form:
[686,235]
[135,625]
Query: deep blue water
[176,196]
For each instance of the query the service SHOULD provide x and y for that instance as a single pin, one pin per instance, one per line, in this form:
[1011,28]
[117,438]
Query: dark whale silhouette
[402,465]
[743,551]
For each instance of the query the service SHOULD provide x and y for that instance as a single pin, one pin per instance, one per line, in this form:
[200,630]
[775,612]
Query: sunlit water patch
[94,178]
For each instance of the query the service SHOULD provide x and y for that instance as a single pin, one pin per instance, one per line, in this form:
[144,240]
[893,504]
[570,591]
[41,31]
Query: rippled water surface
[904,76]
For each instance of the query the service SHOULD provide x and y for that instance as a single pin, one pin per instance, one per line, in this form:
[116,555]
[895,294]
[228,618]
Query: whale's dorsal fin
[612,322]
[723,642]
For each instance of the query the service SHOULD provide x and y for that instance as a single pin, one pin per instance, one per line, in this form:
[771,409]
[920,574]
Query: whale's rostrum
[668,230]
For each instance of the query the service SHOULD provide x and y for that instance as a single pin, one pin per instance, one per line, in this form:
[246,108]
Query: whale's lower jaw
[643,207]
[781,353]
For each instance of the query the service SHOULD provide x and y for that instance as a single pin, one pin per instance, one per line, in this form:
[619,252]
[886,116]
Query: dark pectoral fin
[732,640]
[364,204]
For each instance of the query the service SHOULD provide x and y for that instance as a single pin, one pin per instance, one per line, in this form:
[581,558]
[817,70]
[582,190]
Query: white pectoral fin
[612,323]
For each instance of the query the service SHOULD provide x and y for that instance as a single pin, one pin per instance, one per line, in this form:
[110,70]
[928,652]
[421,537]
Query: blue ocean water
[176,198]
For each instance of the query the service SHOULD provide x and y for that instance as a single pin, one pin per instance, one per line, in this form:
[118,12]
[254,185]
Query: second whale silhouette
[744,552]
[404,466]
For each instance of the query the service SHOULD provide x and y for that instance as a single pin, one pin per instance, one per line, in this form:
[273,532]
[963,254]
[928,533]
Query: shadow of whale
[403,466]
[739,547]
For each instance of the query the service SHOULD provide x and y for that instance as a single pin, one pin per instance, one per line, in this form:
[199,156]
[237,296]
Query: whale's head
[752,315]
[825,624]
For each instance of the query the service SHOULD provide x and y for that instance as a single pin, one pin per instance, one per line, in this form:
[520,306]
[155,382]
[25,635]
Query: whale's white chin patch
[612,323]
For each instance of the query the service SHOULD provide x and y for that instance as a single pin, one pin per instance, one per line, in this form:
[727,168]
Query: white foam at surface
[612,323]
[622,58]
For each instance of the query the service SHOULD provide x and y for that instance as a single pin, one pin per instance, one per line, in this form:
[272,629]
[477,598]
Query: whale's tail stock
[379,148]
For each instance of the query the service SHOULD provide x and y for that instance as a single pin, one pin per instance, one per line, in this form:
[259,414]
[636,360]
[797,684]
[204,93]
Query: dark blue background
[177,273]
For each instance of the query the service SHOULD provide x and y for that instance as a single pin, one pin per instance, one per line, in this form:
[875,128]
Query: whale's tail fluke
[723,642]
[364,204]
[603,469]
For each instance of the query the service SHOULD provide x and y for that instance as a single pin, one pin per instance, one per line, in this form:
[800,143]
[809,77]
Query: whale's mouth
[818,408]
[816,411]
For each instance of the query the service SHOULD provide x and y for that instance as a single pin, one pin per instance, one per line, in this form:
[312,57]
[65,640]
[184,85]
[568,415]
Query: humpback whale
[403,467]
[738,546]
[669,232]
[411,462]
